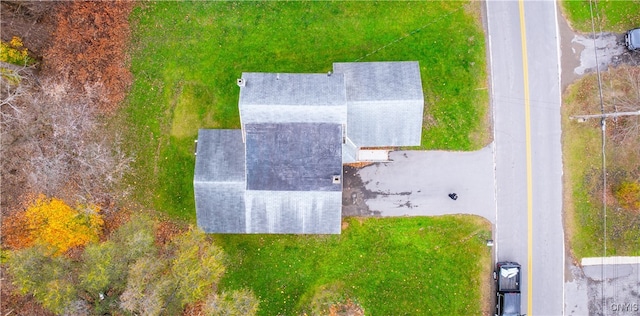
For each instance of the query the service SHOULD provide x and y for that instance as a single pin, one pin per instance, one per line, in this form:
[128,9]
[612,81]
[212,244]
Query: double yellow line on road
[527,115]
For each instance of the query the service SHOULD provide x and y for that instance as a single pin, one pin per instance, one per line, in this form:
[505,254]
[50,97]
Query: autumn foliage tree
[240,302]
[37,271]
[129,273]
[105,266]
[193,266]
[52,223]
[15,231]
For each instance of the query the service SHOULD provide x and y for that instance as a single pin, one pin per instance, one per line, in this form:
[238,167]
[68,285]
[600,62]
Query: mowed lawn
[609,15]
[390,266]
[186,56]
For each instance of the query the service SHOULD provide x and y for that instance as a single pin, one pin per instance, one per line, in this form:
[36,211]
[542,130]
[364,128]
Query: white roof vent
[241,82]
[336,179]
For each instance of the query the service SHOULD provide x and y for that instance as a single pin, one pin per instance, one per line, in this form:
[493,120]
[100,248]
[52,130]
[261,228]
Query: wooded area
[70,248]
[53,143]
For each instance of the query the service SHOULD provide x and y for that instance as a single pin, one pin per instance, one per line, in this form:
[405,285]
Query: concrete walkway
[417,183]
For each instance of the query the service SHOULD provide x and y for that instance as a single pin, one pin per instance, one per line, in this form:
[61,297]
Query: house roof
[219,181]
[385,103]
[381,81]
[299,212]
[278,174]
[222,156]
[293,156]
[385,124]
[288,98]
[292,89]
[283,183]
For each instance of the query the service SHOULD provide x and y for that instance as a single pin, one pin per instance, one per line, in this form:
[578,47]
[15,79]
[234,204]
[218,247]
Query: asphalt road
[525,75]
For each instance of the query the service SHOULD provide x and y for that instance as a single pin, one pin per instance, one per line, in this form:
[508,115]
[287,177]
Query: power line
[603,124]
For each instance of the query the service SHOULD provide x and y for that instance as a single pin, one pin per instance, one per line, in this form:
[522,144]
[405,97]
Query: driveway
[604,286]
[579,52]
[417,183]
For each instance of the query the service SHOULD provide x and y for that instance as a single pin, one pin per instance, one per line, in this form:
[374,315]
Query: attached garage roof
[381,81]
[385,103]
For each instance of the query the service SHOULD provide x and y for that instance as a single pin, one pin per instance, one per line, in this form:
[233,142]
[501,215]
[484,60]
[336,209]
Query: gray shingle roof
[298,212]
[290,179]
[293,156]
[385,103]
[219,181]
[349,151]
[381,81]
[385,124]
[292,98]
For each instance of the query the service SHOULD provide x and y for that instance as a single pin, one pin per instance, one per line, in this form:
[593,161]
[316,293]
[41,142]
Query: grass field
[390,266]
[185,57]
[582,145]
[609,15]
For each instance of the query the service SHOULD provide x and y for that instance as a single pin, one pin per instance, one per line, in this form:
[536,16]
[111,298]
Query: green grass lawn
[391,266]
[582,144]
[612,15]
[185,57]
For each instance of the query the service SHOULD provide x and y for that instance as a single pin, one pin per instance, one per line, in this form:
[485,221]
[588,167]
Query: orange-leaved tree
[15,231]
[54,223]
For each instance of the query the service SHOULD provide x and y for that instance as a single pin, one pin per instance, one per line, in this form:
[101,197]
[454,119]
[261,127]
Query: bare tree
[52,142]
[623,95]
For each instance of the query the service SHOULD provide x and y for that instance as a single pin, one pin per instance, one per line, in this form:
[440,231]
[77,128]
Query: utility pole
[583,118]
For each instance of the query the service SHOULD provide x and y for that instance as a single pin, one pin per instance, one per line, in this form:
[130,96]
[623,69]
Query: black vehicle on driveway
[507,277]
